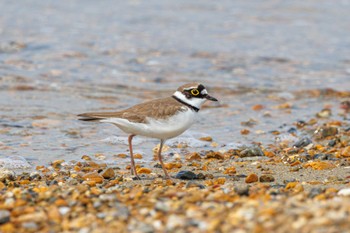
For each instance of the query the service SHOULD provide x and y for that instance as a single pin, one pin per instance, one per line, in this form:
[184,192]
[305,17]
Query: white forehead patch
[204,92]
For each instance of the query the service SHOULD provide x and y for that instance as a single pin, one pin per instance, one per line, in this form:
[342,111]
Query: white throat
[195,102]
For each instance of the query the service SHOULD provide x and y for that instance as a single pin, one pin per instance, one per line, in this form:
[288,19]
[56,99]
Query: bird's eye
[194,92]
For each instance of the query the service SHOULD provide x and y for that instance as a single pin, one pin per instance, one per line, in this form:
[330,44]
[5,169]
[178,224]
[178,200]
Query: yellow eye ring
[194,92]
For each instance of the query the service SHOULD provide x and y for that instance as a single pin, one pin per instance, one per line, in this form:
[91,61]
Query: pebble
[63,210]
[193,156]
[251,152]
[4,216]
[192,184]
[251,178]
[319,165]
[186,175]
[344,192]
[324,156]
[30,226]
[324,113]
[346,152]
[302,142]
[214,155]
[332,142]
[93,176]
[326,131]
[108,173]
[242,190]
[266,178]
[315,191]
[6,174]
[143,170]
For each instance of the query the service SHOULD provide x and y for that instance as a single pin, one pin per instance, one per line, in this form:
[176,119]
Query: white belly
[162,129]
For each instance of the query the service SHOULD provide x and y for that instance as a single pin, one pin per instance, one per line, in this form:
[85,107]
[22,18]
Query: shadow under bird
[160,118]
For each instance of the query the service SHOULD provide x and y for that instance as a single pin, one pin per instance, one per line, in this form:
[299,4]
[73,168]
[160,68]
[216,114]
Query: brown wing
[157,109]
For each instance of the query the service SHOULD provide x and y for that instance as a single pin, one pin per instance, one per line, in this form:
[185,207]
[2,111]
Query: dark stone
[242,190]
[302,142]
[4,216]
[324,132]
[267,178]
[241,175]
[186,175]
[251,152]
[315,191]
[332,142]
[292,130]
[325,157]
[201,176]
[192,184]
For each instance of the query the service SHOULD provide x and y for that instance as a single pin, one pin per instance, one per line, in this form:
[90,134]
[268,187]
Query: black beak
[208,97]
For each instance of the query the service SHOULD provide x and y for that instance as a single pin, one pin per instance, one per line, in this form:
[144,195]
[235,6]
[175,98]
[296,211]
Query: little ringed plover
[160,118]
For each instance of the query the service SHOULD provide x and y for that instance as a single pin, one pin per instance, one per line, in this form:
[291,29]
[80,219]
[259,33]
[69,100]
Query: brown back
[157,109]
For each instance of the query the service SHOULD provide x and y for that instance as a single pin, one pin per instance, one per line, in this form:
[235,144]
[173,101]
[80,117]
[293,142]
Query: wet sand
[279,69]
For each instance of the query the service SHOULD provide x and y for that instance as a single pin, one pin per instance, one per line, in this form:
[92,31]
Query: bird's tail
[89,117]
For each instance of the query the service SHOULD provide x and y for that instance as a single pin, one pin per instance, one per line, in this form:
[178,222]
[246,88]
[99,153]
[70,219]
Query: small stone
[57,163]
[315,191]
[324,113]
[143,170]
[6,174]
[344,192]
[4,216]
[324,132]
[193,156]
[186,175]
[245,131]
[242,190]
[267,178]
[230,171]
[122,155]
[170,166]
[138,156]
[30,226]
[324,156]
[86,158]
[319,165]
[332,142]
[251,178]
[192,184]
[214,155]
[108,173]
[251,152]
[207,139]
[258,107]
[302,142]
[63,210]
[200,176]
[345,152]
[93,176]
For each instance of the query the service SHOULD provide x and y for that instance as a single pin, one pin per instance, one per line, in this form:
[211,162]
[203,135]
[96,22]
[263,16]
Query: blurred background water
[62,58]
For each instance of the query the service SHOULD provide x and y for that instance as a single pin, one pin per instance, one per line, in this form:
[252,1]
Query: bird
[162,118]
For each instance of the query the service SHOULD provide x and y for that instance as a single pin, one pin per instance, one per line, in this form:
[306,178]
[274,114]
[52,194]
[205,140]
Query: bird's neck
[193,103]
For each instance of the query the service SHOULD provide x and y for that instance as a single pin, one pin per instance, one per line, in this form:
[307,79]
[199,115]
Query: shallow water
[58,59]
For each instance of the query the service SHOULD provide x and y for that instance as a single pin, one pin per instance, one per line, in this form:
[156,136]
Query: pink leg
[161,160]
[133,168]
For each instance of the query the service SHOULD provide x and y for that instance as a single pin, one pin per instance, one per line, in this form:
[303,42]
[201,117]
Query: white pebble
[344,192]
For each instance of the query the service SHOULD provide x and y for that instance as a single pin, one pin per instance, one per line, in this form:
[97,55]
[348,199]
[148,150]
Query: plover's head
[193,94]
